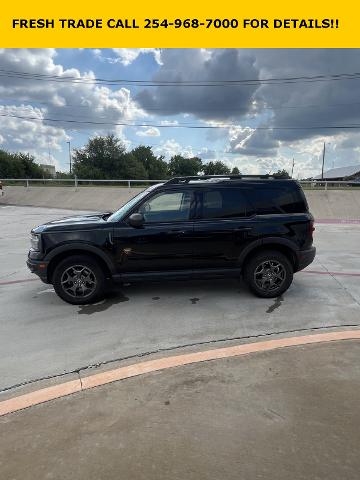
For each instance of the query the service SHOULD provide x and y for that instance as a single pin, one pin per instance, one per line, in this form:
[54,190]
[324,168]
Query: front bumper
[39,267]
[305,257]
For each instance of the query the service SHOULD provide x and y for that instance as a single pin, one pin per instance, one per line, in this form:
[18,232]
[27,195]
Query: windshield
[120,214]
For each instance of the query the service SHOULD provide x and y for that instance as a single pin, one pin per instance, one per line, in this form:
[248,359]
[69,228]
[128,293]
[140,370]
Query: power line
[125,124]
[172,83]
[206,109]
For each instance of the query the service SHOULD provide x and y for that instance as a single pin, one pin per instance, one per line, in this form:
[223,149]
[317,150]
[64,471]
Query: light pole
[323,161]
[292,168]
[69,155]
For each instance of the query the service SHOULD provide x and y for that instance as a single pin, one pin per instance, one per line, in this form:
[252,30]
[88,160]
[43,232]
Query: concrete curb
[67,388]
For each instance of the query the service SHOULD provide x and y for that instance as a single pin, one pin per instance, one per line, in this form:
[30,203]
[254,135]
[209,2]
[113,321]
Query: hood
[75,221]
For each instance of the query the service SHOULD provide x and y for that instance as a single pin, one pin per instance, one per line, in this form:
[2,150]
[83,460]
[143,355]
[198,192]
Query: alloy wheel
[78,281]
[269,275]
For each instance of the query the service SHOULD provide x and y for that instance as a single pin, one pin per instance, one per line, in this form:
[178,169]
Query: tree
[133,168]
[99,158]
[235,171]
[181,167]
[61,175]
[156,167]
[106,158]
[282,174]
[216,168]
[19,165]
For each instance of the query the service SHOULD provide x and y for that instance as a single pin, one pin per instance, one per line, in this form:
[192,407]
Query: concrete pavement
[41,336]
[283,414]
[274,415]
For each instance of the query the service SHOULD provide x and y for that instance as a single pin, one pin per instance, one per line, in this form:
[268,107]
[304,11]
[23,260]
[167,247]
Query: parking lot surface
[284,414]
[41,336]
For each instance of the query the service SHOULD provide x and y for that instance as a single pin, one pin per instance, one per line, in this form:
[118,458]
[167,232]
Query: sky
[257,109]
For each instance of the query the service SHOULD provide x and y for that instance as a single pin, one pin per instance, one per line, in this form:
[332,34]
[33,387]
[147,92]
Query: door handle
[243,229]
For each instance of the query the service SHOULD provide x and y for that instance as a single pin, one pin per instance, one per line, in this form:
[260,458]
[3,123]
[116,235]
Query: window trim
[192,208]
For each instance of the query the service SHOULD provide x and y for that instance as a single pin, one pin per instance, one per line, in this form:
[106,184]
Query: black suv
[188,227]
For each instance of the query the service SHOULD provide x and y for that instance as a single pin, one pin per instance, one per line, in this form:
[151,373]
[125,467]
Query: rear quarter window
[276,200]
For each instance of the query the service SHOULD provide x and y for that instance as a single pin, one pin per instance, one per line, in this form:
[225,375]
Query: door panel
[154,247]
[218,243]
[164,242]
[222,229]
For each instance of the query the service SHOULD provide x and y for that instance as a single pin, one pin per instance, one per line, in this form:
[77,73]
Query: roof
[227,181]
[340,172]
[208,179]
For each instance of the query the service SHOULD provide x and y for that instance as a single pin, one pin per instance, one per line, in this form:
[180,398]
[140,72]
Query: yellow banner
[161,23]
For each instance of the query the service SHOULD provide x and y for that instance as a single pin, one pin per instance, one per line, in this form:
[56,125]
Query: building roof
[340,172]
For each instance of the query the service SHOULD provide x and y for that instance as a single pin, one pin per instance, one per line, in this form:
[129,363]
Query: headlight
[35,241]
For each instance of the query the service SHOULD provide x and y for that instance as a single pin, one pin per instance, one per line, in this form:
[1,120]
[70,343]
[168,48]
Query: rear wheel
[79,280]
[269,274]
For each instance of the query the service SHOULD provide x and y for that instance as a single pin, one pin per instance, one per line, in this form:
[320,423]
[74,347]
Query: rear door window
[223,203]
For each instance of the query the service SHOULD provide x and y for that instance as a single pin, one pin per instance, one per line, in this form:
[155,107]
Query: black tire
[272,270]
[79,280]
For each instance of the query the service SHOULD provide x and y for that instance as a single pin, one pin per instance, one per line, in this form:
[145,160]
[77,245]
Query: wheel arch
[61,253]
[283,246]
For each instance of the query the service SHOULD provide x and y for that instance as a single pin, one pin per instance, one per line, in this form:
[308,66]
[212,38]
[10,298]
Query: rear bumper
[39,267]
[305,257]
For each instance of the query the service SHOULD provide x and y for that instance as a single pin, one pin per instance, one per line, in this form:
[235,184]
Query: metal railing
[328,184]
[77,182]
[133,183]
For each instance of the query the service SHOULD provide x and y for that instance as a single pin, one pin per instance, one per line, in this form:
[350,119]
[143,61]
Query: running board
[178,275]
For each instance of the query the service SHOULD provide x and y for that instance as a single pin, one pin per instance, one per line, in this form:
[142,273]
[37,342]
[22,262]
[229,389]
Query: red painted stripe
[23,280]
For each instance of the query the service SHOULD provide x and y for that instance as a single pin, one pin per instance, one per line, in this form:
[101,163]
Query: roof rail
[219,177]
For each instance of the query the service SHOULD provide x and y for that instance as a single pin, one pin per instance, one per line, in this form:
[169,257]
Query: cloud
[249,141]
[27,135]
[61,99]
[148,132]
[171,147]
[215,102]
[300,104]
[206,153]
[307,104]
[126,56]
[169,122]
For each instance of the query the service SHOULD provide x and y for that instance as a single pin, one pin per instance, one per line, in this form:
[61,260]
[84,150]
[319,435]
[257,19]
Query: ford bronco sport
[257,227]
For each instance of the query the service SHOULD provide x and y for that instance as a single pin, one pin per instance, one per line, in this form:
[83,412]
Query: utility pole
[323,161]
[292,169]
[69,155]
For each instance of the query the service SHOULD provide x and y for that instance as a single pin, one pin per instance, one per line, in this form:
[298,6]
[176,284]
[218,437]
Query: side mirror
[136,220]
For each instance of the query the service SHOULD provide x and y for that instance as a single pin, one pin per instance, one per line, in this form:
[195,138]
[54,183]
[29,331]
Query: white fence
[76,182]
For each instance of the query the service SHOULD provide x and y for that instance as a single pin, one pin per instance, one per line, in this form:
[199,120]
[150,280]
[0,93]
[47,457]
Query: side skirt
[195,274]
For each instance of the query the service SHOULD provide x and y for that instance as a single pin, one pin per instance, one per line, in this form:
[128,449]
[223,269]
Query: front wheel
[79,280]
[268,274]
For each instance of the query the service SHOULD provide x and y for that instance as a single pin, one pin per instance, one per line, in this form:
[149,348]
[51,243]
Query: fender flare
[84,247]
[269,241]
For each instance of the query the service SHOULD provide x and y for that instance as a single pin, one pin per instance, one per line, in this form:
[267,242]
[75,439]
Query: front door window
[167,207]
